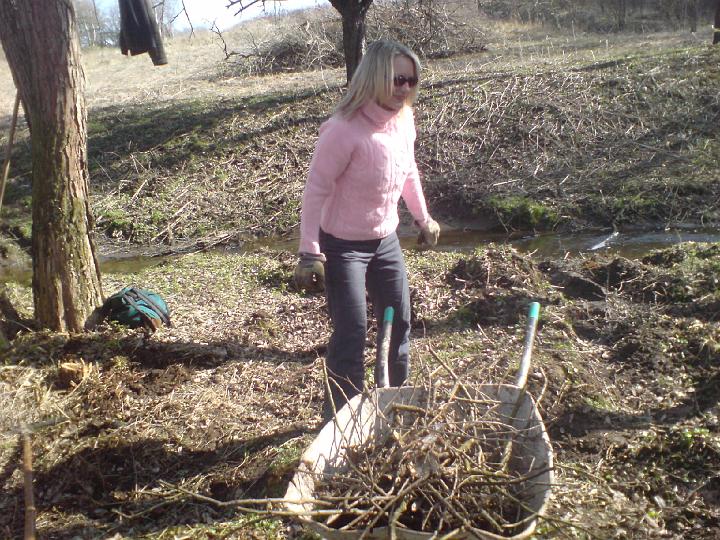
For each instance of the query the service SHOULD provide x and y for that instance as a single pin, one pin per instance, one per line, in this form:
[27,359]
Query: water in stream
[549,246]
[631,245]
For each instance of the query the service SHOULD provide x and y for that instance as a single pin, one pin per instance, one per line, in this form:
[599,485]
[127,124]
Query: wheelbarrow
[371,417]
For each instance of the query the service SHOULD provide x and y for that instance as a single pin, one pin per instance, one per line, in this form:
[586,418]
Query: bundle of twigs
[431,29]
[446,466]
[312,44]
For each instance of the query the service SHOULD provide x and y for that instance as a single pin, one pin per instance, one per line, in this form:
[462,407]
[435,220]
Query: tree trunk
[353,43]
[42,48]
[716,26]
[692,8]
[621,14]
[353,14]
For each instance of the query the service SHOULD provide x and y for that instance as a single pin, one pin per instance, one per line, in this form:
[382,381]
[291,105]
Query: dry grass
[158,433]
[541,131]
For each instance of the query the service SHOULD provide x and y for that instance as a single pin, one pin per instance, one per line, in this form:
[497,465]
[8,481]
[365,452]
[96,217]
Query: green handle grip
[533,315]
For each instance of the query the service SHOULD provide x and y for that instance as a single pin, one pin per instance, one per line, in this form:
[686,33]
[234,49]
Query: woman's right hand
[310,272]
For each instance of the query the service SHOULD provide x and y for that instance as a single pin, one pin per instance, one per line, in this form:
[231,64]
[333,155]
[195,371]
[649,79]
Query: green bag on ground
[136,307]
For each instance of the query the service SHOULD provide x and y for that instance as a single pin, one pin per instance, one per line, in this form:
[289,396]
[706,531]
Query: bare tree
[110,27]
[42,48]
[692,14]
[97,26]
[88,22]
[620,14]
[166,11]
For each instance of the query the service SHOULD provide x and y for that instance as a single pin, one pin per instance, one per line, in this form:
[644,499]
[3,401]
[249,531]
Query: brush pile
[314,40]
[456,462]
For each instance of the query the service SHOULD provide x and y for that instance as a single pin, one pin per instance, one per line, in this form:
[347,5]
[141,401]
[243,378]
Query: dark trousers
[352,267]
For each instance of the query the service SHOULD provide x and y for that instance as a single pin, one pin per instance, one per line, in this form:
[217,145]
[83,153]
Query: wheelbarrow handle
[533,314]
[382,379]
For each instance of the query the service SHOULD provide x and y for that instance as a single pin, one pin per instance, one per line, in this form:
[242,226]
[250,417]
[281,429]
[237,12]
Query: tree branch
[243,4]
[216,30]
[184,10]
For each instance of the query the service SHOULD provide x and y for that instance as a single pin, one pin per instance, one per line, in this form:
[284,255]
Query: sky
[209,11]
[203,13]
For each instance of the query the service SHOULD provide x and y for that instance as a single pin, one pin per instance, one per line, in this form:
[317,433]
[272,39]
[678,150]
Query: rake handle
[30,510]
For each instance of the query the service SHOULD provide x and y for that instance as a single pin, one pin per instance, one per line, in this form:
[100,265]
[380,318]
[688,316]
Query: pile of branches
[431,29]
[305,46]
[451,465]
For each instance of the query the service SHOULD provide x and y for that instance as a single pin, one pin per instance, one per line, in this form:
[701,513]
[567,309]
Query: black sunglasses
[400,80]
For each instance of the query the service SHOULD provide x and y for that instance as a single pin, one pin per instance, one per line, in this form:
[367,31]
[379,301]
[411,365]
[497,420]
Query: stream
[628,244]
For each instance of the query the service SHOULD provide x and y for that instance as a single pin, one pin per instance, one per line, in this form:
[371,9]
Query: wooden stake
[8,149]
[30,511]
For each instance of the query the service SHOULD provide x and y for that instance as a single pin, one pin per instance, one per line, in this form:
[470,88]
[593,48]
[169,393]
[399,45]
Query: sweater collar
[377,114]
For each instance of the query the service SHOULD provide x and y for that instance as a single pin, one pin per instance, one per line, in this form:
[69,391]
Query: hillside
[539,132]
[153,437]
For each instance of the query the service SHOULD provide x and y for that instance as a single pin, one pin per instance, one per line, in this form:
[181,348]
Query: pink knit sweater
[360,168]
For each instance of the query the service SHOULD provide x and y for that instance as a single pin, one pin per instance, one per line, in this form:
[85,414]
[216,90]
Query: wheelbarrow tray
[367,417]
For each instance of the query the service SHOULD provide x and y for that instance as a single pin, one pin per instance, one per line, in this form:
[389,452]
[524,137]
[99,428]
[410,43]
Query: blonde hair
[373,78]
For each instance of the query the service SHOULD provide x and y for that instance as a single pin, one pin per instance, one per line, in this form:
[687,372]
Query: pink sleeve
[331,157]
[413,196]
[412,192]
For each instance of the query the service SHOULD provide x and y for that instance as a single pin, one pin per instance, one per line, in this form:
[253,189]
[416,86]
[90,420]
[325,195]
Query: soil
[154,433]
[186,433]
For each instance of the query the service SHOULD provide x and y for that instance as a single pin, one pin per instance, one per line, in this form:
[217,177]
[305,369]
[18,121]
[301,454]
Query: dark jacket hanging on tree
[139,31]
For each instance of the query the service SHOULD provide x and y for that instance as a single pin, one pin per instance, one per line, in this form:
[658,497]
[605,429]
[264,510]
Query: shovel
[533,314]
[522,374]
[382,379]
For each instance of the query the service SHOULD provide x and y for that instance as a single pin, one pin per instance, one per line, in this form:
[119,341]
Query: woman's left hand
[429,233]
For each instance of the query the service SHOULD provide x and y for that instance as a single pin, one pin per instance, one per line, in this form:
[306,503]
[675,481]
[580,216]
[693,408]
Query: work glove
[429,233]
[310,272]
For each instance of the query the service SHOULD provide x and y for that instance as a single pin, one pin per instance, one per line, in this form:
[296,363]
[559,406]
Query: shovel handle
[533,314]
[382,379]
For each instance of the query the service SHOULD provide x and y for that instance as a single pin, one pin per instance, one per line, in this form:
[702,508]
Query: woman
[364,161]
